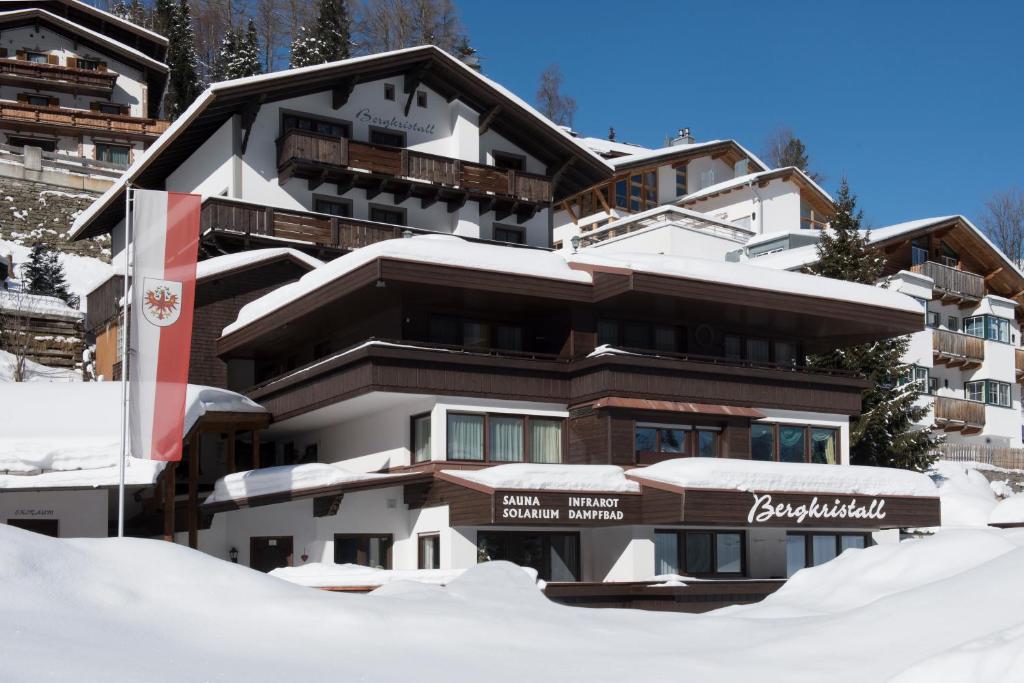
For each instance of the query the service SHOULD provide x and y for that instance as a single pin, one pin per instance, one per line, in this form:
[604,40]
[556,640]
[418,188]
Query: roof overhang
[92,17]
[729,150]
[570,162]
[676,407]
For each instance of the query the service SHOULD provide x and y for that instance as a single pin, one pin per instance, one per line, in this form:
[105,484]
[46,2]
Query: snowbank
[284,478]
[83,273]
[330,575]
[1009,511]
[37,305]
[34,372]
[940,609]
[446,250]
[756,475]
[607,478]
[965,495]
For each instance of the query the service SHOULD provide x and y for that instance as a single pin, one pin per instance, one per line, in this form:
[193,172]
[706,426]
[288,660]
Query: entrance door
[270,552]
[46,527]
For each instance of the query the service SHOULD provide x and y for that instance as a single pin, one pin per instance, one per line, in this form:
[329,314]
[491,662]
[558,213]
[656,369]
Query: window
[386,137]
[733,347]
[812,549]
[933,385]
[975,326]
[953,323]
[366,550]
[421,438]
[509,438]
[699,553]
[555,556]
[681,181]
[758,350]
[337,129]
[810,218]
[785,353]
[429,551]
[109,108]
[997,393]
[974,391]
[37,58]
[512,162]
[707,443]
[88,64]
[475,333]
[919,251]
[794,443]
[389,91]
[39,100]
[45,145]
[334,207]
[641,335]
[649,439]
[919,375]
[509,234]
[383,214]
[933,319]
[421,99]
[637,192]
[989,327]
[115,154]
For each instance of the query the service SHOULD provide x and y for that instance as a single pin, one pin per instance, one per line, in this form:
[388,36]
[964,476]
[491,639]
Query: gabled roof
[678,153]
[512,118]
[762,177]
[96,19]
[94,39]
[611,148]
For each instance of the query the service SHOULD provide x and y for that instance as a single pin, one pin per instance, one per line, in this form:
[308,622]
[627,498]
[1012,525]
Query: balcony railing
[297,149]
[1009,458]
[957,350]
[57,77]
[60,117]
[953,284]
[959,415]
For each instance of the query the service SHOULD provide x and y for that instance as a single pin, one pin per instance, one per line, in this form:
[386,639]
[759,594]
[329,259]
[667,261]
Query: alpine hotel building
[446,388]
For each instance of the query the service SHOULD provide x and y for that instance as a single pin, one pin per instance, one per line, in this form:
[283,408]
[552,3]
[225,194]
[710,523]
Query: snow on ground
[1009,511]
[755,475]
[946,608]
[284,478]
[329,575]
[83,273]
[34,372]
[608,478]
[965,494]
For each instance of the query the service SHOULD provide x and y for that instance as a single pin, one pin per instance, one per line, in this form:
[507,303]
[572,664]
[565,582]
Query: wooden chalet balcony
[253,222]
[1018,362]
[957,350]
[380,168]
[18,72]
[61,119]
[953,285]
[959,415]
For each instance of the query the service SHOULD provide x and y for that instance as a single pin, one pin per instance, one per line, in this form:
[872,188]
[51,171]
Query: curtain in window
[823,446]
[758,350]
[546,440]
[506,435]
[791,444]
[666,554]
[428,552]
[465,437]
[421,439]
[729,553]
[762,442]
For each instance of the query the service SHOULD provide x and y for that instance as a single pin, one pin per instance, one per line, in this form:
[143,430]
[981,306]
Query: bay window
[662,442]
[989,391]
[794,443]
[504,438]
[974,391]
[990,327]
[699,553]
[421,438]
[918,375]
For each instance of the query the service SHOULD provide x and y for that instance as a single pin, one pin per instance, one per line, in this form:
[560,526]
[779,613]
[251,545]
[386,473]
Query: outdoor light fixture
[575,239]
[407,233]
[381,284]
[233,554]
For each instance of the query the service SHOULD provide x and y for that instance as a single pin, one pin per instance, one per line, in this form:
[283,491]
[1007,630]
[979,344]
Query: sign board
[565,509]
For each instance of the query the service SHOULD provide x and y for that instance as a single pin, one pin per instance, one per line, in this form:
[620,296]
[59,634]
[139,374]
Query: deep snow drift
[947,608]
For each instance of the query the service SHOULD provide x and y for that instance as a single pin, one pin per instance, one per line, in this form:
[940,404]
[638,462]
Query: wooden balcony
[958,415]
[55,77]
[63,120]
[957,350]
[409,173]
[953,285]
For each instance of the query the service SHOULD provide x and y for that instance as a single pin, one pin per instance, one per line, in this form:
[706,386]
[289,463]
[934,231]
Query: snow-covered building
[80,89]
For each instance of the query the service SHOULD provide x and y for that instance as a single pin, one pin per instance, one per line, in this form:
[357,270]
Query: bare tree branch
[1003,222]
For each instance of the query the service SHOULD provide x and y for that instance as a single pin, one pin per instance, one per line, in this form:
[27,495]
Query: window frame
[108,146]
[387,132]
[527,446]
[809,547]
[389,561]
[49,100]
[391,209]
[30,53]
[421,99]
[389,92]
[681,565]
[506,534]
[981,390]
[914,375]
[413,420]
[990,393]
[773,342]
[491,331]
[344,124]
[621,324]
[987,320]
[690,442]
[430,536]
[518,230]
[808,430]
[338,201]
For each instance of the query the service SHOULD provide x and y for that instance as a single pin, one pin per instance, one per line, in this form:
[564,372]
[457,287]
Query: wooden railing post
[512,183]
[335,232]
[268,229]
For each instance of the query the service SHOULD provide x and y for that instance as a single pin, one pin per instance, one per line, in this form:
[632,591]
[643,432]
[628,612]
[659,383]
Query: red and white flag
[166,244]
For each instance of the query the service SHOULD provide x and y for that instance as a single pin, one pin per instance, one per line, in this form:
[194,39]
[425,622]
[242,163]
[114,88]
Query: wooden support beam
[411,81]
[993,274]
[604,202]
[486,205]
[249,117]
[488,117]
[456,203]
[342,91]
[255,449]
[1020,293]
[572,214]
[346,183]
[327,506]
[429,199]
[502,213]
[317,180]
[231,453]
[169,471]
[402,193]
[374,189]
[193,491]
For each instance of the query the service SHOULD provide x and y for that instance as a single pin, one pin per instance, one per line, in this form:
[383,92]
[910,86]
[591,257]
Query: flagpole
[129,199]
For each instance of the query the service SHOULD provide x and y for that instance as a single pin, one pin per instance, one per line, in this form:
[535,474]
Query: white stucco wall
[79,513]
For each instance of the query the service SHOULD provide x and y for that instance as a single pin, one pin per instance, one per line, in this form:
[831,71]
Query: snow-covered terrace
[665,216]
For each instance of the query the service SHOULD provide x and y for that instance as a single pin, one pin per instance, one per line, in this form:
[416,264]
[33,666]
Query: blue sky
[919,104]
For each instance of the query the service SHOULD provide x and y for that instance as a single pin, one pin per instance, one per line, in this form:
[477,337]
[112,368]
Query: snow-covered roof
[218,265]
[672,150]
[751,178]
[73,29]
[1010,511]
[605,146]
[435,249]
[37,305]
[756,475]
[68,435]
[286,478]
[530,476]
[101,14]
[773,236]
[744,275]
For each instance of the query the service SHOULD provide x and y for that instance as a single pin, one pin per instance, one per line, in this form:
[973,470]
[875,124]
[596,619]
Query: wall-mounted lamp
[407,233]
[381,284]
[575,240]
[233,554]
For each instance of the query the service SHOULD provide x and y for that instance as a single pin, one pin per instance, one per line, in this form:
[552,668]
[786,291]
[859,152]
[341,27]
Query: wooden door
[270,552]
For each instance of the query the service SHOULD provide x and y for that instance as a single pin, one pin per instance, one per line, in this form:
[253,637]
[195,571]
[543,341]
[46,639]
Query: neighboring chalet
[81,87]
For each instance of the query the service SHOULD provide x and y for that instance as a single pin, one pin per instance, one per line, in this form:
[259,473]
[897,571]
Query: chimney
[683,137]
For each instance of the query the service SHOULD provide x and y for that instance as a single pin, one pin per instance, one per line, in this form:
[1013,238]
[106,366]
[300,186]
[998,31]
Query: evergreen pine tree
[886,433]
[164,12]
[794,154]
[330,38]
[183,83]
[44,274]
[247,59]
[225,55]
[131,10]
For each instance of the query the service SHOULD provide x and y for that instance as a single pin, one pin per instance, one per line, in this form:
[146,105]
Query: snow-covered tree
[239,54]
[328,40]
[44,274]
[183,83]
[225,55]
[131,10]
[886,433]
